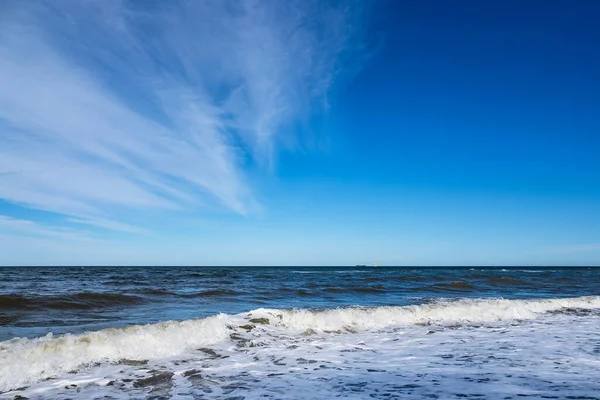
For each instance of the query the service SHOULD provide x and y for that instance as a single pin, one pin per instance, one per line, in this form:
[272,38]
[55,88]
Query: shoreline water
[331,329]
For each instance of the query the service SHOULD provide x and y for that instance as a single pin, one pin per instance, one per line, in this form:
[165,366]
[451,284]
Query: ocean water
[299,333]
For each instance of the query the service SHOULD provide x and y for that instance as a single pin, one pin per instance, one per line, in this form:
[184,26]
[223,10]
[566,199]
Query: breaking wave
[24,361]
[466,311]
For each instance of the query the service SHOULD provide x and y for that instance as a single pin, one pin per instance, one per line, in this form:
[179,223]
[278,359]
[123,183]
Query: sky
[305,132]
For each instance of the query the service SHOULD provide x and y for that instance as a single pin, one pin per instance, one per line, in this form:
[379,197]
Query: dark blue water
[35,301]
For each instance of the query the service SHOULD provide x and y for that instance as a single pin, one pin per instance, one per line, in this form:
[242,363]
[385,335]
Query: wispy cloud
[106,107]
[32,229]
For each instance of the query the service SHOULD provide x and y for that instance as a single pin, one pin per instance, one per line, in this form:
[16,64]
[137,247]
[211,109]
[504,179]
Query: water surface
[299,332]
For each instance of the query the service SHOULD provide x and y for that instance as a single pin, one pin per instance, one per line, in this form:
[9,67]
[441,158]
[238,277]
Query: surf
[26,361]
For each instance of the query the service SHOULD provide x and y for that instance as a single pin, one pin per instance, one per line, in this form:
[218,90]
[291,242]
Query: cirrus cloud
[111,106]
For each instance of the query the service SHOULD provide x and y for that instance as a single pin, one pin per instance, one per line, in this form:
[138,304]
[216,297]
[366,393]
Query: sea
[299,333]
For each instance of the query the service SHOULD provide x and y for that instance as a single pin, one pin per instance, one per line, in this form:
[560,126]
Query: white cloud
[106,108]
[31,229]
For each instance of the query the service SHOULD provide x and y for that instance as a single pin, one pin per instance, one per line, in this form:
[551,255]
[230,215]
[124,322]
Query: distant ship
[361,265]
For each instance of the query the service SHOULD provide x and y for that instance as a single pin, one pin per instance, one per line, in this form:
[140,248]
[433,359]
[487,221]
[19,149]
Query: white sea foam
[23,361]
[444,313]
[168,345]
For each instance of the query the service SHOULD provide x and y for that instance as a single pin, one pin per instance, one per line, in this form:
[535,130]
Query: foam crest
[465,311]
[24,361]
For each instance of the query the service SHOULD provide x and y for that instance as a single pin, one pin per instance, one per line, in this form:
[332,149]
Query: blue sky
[299,133]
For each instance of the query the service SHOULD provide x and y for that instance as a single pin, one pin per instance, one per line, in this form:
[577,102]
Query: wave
[76,301]
[508,281]
[457,286]
[368,289]
[211,293]
[307,272]
[205,293]
[464,311]
[155,292]
[25,361]
[536,270]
